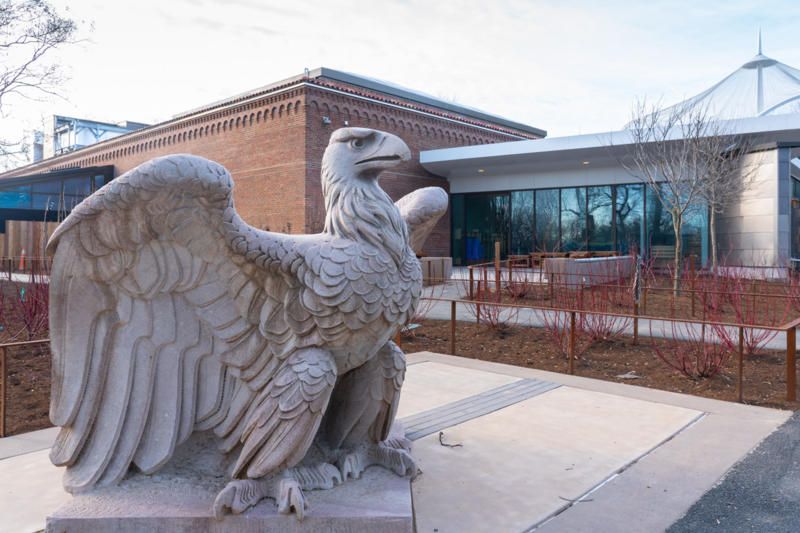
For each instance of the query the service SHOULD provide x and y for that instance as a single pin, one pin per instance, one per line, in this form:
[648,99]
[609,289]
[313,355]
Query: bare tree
[29,31]
[689,161]
[665,155]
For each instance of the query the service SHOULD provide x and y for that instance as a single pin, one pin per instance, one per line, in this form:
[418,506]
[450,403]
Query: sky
[568,67]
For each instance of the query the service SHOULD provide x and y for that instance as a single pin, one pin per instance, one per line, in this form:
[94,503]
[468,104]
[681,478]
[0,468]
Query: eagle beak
[391,150]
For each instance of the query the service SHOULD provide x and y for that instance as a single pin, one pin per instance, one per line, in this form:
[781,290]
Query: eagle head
[356,206]
[363,153]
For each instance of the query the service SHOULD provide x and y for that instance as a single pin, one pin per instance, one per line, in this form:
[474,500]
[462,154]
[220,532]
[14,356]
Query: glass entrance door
[486,220]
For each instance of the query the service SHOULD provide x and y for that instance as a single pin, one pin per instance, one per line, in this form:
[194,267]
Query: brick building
[272,139]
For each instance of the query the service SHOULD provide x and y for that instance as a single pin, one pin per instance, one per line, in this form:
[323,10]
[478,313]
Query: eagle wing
[421,210]
[157,328]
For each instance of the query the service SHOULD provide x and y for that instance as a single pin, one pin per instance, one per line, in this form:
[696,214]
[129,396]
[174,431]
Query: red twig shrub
[486,305]
[519,286]
[557,326]
[30,304]
[693,350]
[742,295]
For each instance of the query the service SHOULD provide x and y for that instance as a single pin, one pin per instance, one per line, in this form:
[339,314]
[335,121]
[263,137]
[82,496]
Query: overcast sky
[565,66]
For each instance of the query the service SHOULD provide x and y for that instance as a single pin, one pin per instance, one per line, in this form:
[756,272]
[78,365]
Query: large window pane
[629,218]
[573,219]
[48,202]
[457,225]
[598,225]
[77,187]
[487,221]
[659,228]
[694,230]
[48,187]
[16,197]
[521,222]
[547,220]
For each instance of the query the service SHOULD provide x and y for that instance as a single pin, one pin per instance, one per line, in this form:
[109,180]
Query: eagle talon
[392,454]
[290,498]
[398,460]
[239,495]
[351,465]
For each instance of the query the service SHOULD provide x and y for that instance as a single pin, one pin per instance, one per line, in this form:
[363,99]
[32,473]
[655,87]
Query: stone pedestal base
[179,499]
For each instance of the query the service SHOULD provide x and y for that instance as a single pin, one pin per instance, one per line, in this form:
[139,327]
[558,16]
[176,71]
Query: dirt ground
[763,382]
[28,394]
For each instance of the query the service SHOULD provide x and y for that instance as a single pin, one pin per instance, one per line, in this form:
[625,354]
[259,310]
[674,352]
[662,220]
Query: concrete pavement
[520,449]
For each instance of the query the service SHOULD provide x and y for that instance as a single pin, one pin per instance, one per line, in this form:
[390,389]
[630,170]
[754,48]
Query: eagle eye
[357,144]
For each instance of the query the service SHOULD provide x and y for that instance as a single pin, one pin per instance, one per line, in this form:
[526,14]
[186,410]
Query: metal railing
[789,328]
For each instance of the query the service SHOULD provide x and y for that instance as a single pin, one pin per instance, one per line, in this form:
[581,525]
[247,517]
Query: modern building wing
[573,194]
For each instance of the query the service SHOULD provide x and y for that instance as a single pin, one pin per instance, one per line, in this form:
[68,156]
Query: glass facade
[625,218]
[600,217]
[522,239]
[547,223]
[573,219]
[49,196]
[629,218]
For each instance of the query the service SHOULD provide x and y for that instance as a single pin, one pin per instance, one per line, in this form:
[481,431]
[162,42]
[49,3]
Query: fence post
[471,283]
[635,323]
[453,327]
[497,270]
[571,363]
[791,368]
[740,366]
[3,374]
[692,274]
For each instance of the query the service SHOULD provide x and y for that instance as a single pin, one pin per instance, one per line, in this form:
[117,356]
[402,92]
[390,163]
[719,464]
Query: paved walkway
[760,494]
[529,450]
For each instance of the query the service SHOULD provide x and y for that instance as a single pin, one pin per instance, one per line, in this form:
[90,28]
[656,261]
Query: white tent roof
[762,86]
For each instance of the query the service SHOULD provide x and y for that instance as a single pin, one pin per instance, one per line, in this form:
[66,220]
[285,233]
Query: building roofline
[421,98]
[373,85]
[768,130]
[314,79]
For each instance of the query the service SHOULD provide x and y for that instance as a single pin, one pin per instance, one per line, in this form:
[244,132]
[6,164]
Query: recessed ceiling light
[585,162]
[481,170]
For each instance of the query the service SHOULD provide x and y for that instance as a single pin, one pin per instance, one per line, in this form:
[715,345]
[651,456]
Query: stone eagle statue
[170,315]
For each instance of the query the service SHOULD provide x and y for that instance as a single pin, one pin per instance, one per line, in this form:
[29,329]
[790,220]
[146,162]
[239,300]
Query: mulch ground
[763,381]
[28,392]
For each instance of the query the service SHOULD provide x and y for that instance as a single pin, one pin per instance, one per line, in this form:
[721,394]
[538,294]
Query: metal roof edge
[375,85]
[610,139]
